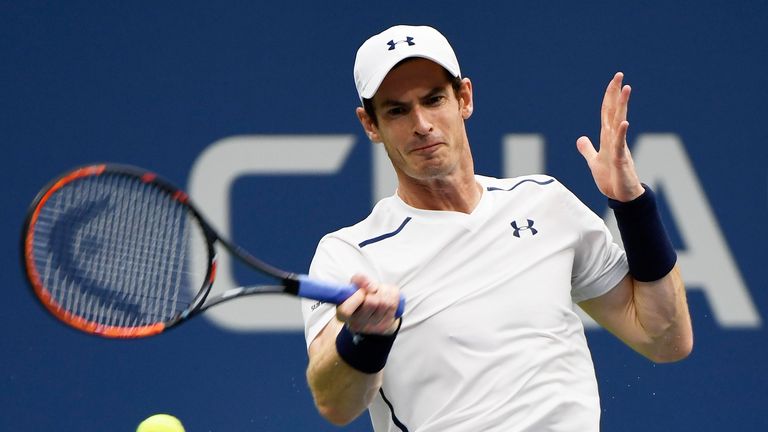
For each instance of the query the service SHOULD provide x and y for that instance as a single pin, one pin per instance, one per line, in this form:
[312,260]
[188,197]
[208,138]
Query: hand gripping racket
[107,250]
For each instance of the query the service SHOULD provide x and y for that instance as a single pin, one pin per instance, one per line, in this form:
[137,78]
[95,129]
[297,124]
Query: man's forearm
[341,393]
[662,311]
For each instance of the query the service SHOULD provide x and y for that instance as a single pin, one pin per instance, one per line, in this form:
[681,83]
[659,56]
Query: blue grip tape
[334,293]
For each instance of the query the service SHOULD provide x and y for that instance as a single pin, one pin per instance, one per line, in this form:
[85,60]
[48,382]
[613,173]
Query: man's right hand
[370,310]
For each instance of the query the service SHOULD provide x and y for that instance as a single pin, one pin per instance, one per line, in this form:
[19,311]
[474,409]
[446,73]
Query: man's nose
[422,125]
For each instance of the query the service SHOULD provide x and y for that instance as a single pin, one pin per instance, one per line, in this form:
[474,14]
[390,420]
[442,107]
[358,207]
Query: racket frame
[289,281]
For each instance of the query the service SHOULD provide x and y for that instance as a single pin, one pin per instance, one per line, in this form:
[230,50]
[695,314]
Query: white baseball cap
[380,53]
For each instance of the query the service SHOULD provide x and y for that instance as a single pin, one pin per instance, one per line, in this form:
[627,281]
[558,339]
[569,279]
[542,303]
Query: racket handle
[334,293]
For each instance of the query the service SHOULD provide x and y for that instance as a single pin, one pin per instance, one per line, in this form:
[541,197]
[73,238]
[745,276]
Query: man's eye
[395,111]
[435,100]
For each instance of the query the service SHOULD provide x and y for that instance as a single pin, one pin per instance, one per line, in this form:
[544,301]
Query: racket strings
[113,250]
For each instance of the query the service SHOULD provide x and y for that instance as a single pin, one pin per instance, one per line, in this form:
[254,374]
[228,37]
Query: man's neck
[460,194]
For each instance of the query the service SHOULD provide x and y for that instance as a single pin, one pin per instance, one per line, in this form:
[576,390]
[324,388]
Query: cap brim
[372,86]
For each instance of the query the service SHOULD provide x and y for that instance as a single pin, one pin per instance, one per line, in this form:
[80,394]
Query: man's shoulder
[381,218]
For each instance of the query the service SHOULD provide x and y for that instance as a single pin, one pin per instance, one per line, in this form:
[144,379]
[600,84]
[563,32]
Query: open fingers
[611,100]
[586,149]
[613,134]
[620,143]
[621,125]
[622,105]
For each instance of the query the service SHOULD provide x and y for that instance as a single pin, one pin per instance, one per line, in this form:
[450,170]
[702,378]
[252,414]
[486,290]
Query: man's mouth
[426,147]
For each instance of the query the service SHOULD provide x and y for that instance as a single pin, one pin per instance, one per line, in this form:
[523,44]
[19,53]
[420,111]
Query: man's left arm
[648,309]
[650,317]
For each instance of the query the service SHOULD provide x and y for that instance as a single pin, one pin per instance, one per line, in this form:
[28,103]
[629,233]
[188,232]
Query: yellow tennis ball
[161,423]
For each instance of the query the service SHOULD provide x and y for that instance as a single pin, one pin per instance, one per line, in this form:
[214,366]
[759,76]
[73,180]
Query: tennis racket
[107,250]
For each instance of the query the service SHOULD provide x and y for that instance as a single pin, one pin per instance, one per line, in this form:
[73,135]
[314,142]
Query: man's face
[421,120]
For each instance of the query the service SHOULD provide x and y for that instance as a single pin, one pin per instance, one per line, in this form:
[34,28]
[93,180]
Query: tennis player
[491,268]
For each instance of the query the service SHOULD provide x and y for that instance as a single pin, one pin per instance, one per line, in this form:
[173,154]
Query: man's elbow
[336,416]
[673,353]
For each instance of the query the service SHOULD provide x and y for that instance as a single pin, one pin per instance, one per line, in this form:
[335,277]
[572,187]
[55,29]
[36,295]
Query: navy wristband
[650,253]
[365,352]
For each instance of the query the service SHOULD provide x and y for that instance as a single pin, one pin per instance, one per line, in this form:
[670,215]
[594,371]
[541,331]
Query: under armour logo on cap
[408,39]
[528,228]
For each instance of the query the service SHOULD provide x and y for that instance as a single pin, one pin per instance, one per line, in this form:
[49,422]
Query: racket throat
[291,284]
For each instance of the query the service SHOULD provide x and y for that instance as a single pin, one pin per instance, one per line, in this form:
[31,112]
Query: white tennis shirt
[489,339]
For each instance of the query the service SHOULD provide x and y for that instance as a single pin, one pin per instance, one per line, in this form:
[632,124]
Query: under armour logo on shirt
[524,228]
[408,39]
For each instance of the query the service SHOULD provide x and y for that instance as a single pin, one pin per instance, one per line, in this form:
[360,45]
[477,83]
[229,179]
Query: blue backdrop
[167,85]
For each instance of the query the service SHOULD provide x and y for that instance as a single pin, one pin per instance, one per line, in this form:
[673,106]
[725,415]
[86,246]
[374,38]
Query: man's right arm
[342,391]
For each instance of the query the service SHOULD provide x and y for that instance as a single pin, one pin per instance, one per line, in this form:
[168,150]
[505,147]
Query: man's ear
[466,105]
[368,126]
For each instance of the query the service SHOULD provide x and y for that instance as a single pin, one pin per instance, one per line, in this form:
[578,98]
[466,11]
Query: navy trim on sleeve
[542,183]
[385,236]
